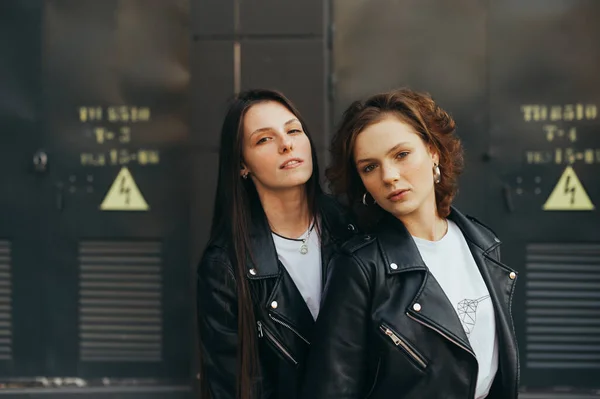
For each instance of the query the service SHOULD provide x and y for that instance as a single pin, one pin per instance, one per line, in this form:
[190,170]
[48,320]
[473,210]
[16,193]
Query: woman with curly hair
[419,307]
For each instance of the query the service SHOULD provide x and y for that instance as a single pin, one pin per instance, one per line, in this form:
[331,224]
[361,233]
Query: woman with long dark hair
[420,306]
[273,233]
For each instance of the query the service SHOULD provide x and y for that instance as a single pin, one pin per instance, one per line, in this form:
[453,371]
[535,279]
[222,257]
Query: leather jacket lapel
[286,307]
[262,262]
[432,308]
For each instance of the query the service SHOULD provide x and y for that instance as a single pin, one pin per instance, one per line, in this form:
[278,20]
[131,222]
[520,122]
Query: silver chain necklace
[304,245]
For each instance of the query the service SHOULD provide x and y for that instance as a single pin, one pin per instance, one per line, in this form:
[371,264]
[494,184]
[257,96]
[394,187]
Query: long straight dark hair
[236,201]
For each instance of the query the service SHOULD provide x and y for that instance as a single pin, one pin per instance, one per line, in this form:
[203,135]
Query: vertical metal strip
[237,51]
[237,67]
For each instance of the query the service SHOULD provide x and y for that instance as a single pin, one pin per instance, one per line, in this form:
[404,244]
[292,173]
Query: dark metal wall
[87,292]
[237,45]
[94,237]
[545,56]
[430,45]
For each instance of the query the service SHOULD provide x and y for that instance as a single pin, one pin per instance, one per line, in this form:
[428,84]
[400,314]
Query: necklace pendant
[304,249]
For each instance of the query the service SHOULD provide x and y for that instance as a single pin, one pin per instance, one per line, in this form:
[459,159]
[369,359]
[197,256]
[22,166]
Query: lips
[397,194]
[291,163]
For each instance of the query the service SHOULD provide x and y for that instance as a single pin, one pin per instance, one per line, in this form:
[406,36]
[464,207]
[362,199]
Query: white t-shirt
[305,269]
[451,263]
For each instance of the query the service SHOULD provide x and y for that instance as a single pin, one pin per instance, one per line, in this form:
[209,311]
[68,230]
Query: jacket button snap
[351,227]
[512,275]
[252,272]
[393,266]
[417,307]
[274,304]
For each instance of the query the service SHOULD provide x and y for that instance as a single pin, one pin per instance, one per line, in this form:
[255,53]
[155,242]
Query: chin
[294,181]
[403,209]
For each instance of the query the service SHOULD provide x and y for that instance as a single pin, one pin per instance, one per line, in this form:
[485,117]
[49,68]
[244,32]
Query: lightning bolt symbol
[124,189]
[570,189]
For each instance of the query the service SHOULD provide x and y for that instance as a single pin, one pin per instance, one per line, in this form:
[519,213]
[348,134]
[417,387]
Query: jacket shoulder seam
[480,223]
[219,258]
[356,243]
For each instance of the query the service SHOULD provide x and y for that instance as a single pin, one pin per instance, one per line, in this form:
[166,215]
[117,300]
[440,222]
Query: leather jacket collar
[398,248]
[334,230]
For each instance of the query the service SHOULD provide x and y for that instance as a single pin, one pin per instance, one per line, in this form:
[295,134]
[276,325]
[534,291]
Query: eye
[368,168]
[262,140]
[402,154]
[295,131]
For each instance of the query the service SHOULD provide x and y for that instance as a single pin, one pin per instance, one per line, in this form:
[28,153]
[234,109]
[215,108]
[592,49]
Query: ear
[435,156]
[244,170]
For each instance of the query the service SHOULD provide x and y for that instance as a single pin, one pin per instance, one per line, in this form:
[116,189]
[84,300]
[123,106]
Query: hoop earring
[364,200]
[437,174]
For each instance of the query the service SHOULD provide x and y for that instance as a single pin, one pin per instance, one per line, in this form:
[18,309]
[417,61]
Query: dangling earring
[364,200]
[437,174]
[245,175]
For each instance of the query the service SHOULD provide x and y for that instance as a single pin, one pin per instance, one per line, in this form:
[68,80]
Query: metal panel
[296,67]
[120,305]
[282,17]
[213,17]
[204,167]
[431,45]
[212,84]
[115,101]
[22,209]
[563,306]
[544,59]
[5,301]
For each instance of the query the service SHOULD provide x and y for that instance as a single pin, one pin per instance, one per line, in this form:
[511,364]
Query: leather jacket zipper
[443,335]
[262,331]
[400,342]
[288,327]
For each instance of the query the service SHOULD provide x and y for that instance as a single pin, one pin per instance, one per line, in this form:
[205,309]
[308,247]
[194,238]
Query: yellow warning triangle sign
[124,195]
[569,194]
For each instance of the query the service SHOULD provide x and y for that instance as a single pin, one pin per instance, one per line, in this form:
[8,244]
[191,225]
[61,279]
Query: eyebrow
[264,129]
[390,151]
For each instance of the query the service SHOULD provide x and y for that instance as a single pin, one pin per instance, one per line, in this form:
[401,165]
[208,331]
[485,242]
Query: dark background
[65,265]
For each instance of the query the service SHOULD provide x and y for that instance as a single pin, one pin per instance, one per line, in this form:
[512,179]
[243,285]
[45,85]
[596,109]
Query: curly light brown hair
[434,125]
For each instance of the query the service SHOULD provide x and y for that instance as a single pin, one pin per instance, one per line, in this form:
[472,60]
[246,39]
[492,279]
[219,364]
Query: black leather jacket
[284,323]
[381,283]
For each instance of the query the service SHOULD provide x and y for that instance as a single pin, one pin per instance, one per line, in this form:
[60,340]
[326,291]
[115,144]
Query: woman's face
[276,151]
[396,166]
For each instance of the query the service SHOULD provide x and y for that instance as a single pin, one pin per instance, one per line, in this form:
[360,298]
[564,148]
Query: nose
[389,174]
[286,144]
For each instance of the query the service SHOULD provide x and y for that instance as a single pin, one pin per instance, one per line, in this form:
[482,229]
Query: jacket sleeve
[217,324]
[337,361]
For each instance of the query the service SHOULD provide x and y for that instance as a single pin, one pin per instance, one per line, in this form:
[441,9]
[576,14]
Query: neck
[287,211]
[425,223]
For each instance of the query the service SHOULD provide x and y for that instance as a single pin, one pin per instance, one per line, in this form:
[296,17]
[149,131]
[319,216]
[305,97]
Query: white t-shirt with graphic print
[451,263]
